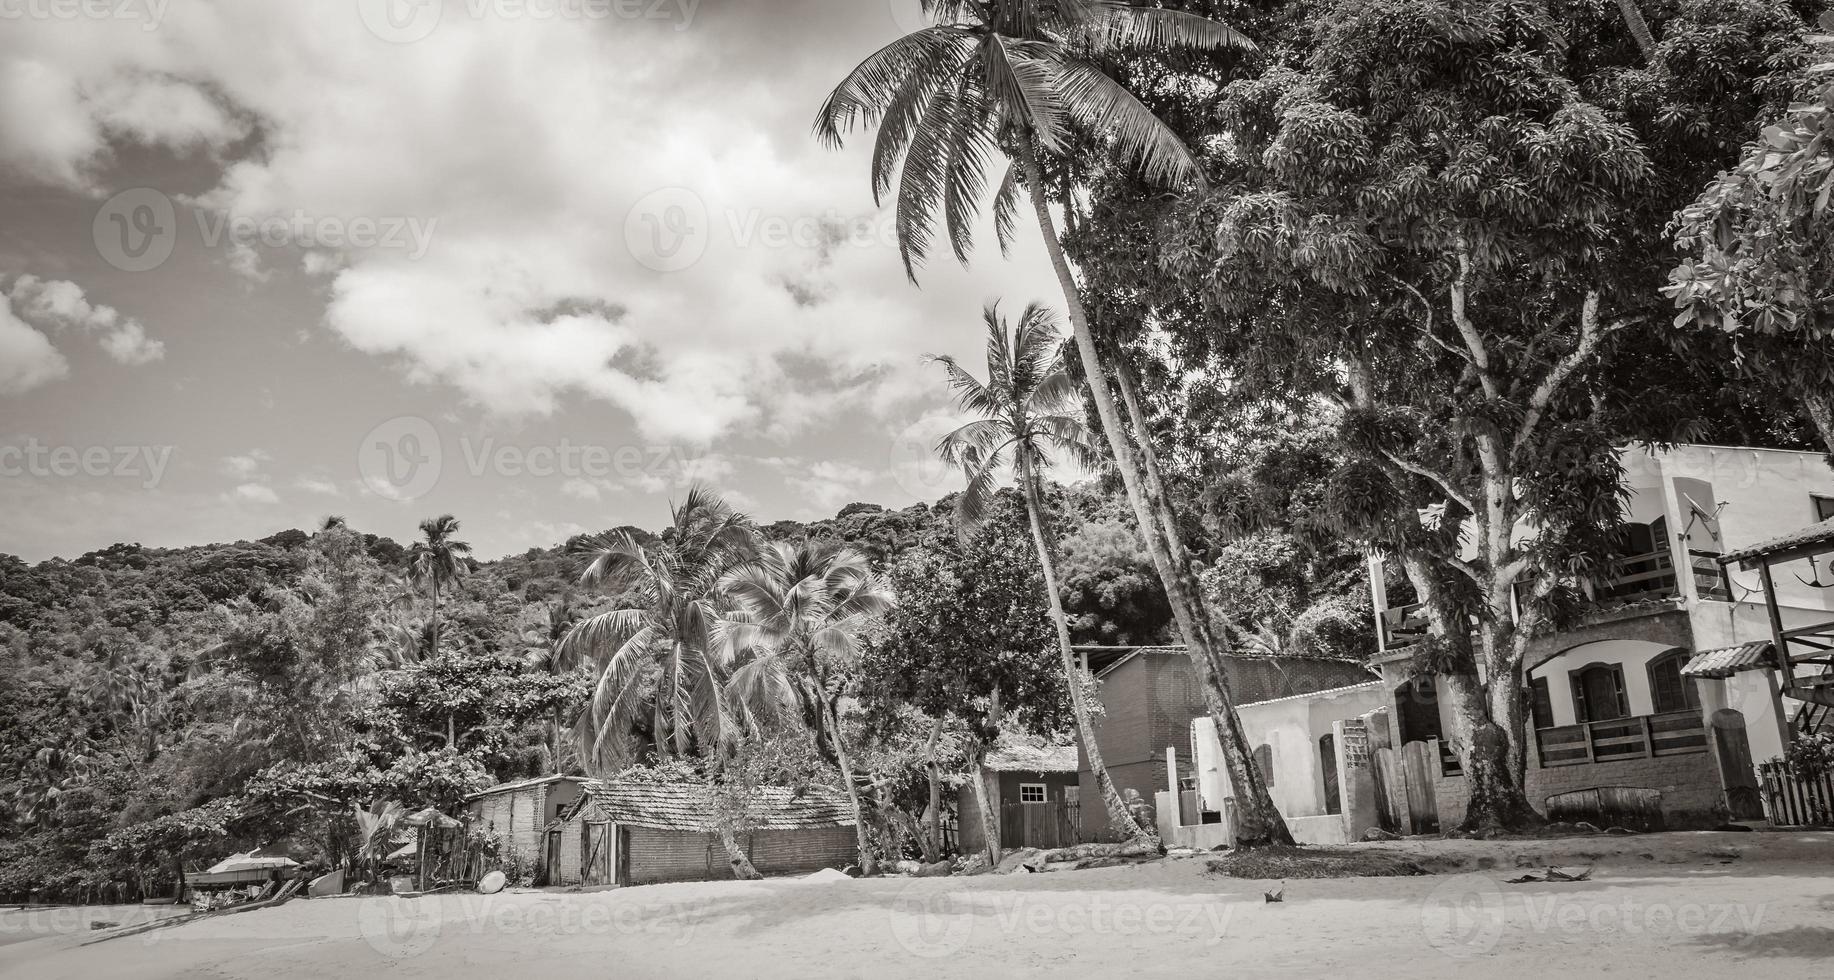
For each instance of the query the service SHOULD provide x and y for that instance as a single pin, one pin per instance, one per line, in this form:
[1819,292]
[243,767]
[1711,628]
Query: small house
[1035,794]
[518,813]
[637,833]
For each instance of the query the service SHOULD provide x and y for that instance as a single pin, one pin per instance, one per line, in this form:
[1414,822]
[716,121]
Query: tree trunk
[1257,820]
[1820,408]
[178,880]
[1118,817]
[983,801]
[932,816]
[741,865]
[451,728]
[1639,28]
[869,863]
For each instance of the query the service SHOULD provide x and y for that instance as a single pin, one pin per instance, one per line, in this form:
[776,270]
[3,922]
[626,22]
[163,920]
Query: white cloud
[247,464]
[27,358]
[827,485]
[527,294]
[581,488]
[318,485]
[61,304]
[259,493]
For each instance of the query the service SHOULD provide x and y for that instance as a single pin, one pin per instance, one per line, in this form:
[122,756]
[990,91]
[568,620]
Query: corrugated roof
[1726,661]
[689,806]
[1031,756]
[520,784]
[1366,686]
[1808,537]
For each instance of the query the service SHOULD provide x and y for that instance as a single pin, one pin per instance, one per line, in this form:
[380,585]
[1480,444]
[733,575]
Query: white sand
[1674,905]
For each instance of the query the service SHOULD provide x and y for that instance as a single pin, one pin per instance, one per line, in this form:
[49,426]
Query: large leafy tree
[1025,80]
[800,611]
[1026,414]
[970,643]
[1446,219]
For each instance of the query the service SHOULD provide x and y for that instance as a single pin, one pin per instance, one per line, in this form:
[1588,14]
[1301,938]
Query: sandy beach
[1675,905]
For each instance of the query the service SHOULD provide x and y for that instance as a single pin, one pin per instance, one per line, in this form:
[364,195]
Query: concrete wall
[1291,730]
[1692,796]
[679,855]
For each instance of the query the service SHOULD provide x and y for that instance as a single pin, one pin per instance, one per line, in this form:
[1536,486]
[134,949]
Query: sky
[541,264]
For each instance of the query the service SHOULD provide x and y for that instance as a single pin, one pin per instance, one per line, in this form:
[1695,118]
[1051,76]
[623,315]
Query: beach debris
[1277,895]
[492,883]
[1377,833]
[1551,874]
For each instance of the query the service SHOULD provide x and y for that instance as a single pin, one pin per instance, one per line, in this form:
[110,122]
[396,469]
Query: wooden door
[1327,761]
[595,858]
[1735,768]
[1420,767]
[550,862]
[1600,693]
[620,855]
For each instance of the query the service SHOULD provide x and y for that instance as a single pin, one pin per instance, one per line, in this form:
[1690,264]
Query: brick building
[519,812]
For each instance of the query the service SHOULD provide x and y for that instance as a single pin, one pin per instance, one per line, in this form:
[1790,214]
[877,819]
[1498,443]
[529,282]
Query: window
[1598,693]
[1668,690]
[1264,761]
[1073,795]
[1824,506]
[1031,792]
[1540,704]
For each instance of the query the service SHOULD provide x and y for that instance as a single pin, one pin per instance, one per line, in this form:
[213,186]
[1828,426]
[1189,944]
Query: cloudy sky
[537,263]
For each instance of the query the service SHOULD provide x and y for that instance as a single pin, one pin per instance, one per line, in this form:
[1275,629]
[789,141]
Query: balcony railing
[1632,578]
[1637,737]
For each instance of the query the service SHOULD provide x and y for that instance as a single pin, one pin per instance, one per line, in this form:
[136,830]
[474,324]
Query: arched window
[1668,689]
[1598,693]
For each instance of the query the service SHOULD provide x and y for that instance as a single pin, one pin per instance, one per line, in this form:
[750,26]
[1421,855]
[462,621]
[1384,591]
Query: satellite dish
[492,883]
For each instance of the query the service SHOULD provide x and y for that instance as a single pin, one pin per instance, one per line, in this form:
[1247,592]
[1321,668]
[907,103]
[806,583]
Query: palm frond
[1105,108]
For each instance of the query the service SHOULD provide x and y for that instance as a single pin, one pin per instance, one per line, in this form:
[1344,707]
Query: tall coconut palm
[438,558]
[1028,412]
[802,606]
[1015,79]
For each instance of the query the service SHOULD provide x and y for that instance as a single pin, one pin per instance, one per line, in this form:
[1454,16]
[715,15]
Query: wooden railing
[1638,737]
[1448,761]
[1794,802]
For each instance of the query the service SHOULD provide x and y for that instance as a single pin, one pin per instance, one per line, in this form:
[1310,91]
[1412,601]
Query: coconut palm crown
[995,78]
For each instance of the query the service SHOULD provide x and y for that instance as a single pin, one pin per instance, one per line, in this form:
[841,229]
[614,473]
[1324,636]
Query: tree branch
[1438,479]
[1590,335]
[1480,356]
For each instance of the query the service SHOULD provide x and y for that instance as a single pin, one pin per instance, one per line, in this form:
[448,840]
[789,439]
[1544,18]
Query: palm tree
[1028,408]
[1016,79]
[438,558]
[802,606]
[541,647]
[658,657]
[662,657]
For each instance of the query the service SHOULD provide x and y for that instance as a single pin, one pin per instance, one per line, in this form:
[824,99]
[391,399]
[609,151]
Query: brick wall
[675,855]
[776,852]
[1690,784]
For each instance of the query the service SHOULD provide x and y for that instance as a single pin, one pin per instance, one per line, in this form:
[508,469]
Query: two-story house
[1669,686]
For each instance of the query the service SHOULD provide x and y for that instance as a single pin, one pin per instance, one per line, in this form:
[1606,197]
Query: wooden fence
[1043,825]
[1638,737]
[1794,802]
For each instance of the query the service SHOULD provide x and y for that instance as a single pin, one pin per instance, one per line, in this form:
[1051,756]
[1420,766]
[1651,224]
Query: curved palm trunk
[869,862]
[932,817]
[736,857]
[1118,816]
[1257,820]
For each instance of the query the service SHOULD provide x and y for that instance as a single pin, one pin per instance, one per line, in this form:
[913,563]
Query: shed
[517,813]
[634,833]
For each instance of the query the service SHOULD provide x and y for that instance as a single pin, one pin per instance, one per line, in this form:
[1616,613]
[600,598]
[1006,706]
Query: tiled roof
[688,806]
[520,784]
[1726,661]
[1814,534]
[1013,755]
